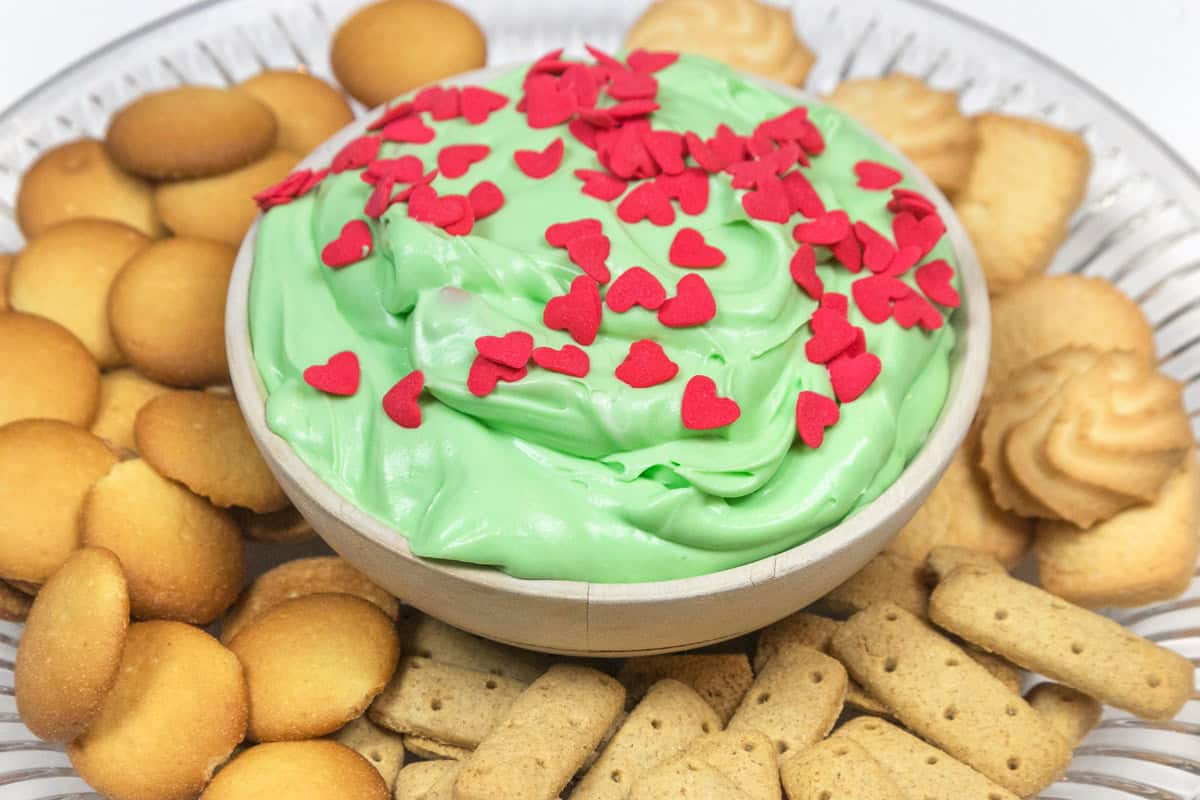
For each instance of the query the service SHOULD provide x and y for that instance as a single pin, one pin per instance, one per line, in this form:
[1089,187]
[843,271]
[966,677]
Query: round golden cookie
[65,273]
[46,469]
[182,556]
[923,122]
[308,109]
[45,372]
[745,34]
[439,41]
[301,577]
[201,440]
[123,392]
[167,311]
[1049,312]
[79,179]
[314,663]
[71,646]
[277,527]
[14,604]
[190,132]
[176,712]
[6,264]
[313,770]
[221,207]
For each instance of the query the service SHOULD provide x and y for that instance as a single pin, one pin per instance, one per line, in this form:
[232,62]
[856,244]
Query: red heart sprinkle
[558,234]
[904,260]
[667,149]
[603,58]
[601,185]
[589,254]
[853,375]
[485,374]
[692,305]
[915,203]
[874,295]
[832,335]
[630,85]
[352,245]
[486,199]
[477,103]
[689,249]
[569,360]
[689,187]
[648,61]
[455,160]
[338,376]
[814,413]
[934,279]
[804,272]
[878,250]
[381,197]
[577,312]
[421,202]
[583,131]
[923,233]
[810,138]
[848,252]
[647,201]
[464,214]
[408,129]
[445,105]
[405,169]
[624,152]
[790,125]
[546,103]
[584,82]
[427,98]
[835,301]
[549,62]
[829,228]
[512,349]
[874,176]
[913,309]
[628,109]
[356,154]
[540,164]
[802,196]
[703,409]
[635,286]
[646,365]
[400,402]
[390,115]
[769,202]
[703,155]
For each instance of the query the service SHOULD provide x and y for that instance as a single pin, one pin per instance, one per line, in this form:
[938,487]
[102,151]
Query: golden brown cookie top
[189,132]
[6,264]
[312,770]
[45,372]
[307,108]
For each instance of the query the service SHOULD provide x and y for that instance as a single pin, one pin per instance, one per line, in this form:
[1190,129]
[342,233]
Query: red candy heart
[692,305]
[769,202]
[802,196]
[874,295]
[568,360]
[646,365]
[829,228]
[804,272]
[400,402]
[338,376]
[913,309]
[704,155]
[485,374]
[391,114]
[848,253]
[647,201]
[539,164]
[667,149]
[408,129]
[381,197]
[357,154]
[465,220]
[577,312]
[703,409]
[455,160]
[934,279]
[904,260]
[689,249]
[353,244]
[558,234]
[915,203]
[405,169]
[486,199]
[648,61]
[832,335]
[853,375]
[630,85]
[628,109]
[547,104]
[635,286]
[878,250]
[689,187]
[589,254]
[601,185]
[874,176]
[511,350]
[814,413]
[476,103]
[923,233]
[583,131]
[834,301]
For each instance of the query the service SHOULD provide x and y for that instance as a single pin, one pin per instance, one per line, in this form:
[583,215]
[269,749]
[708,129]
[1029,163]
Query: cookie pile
[129,482]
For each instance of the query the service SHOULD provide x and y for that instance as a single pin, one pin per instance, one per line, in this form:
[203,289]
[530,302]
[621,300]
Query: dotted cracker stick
[424,747]
[1001,669]
[450,704]
[887,577]
[837,769]
[416,780]
[425,636]
[659,728]
[443,787]
[720,678]
[546,736]
[1069,644]
[919,769]
[1072,713]
[938,691]
[795,700]
[745,757]
[947,558]
[686,777]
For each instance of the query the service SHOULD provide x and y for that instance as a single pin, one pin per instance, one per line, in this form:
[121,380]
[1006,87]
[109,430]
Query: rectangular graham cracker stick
[451,704]
[417,780]
[684,777]
[548,733]
[669,717]
[745,757]
[379,746]
[837,769]
[887,577]
[1072,713]
[939,692]
[945,559]
[422,635]
[424,747]
[795,700]
[720,678]
[1001,669]
[919,769]
[1068,644]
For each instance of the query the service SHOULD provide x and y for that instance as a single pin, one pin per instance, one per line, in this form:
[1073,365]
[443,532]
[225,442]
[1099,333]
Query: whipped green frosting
[586,478]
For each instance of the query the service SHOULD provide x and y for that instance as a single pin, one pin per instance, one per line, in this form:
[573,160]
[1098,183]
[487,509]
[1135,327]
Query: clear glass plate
[1139,227]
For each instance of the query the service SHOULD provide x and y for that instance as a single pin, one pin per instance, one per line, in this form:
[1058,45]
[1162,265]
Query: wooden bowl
[599,619]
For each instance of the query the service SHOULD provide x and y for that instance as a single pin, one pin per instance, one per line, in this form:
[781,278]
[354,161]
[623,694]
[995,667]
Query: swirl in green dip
[586,478]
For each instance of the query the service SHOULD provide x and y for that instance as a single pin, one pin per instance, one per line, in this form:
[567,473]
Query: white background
[1145,53]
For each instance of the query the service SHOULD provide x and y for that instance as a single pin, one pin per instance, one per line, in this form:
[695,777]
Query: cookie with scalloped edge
[308,109]
[45,372]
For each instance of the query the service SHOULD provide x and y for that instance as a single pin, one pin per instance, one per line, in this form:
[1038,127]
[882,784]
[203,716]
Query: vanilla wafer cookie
[1069,711]
[548,733]
[721,678]
[422,635]
[837,769]
[890,577]
[1071,645]
[939,692]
